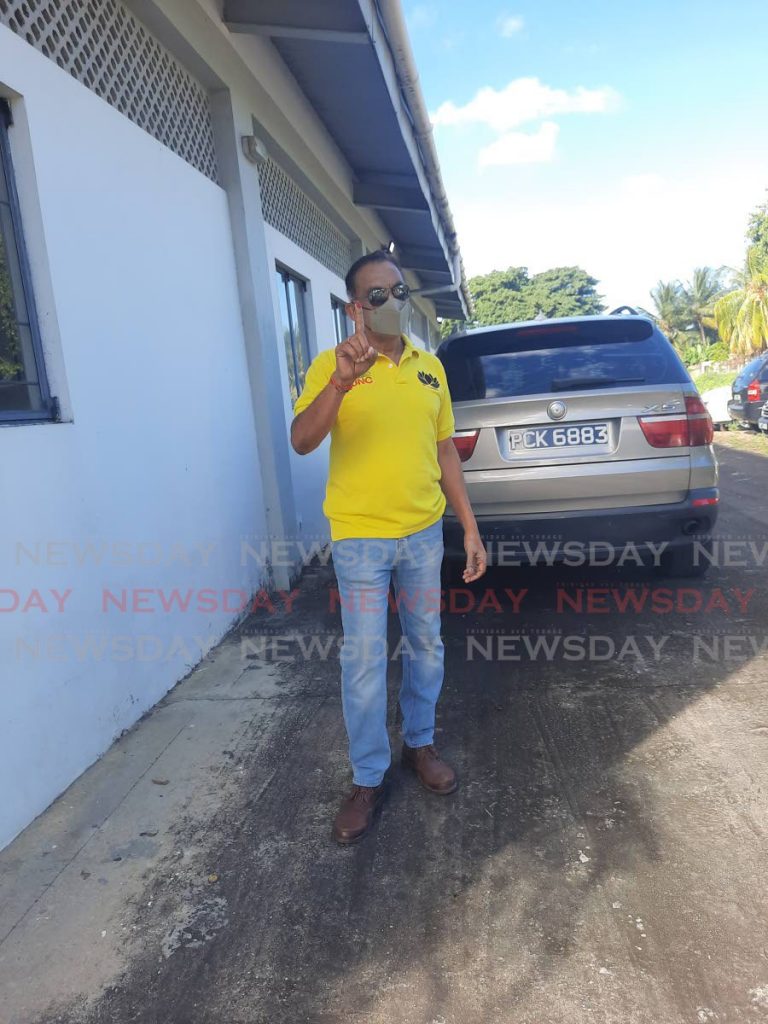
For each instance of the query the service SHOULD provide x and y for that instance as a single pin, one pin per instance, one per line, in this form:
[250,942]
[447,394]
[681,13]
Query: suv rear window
[544,358]
[750,371]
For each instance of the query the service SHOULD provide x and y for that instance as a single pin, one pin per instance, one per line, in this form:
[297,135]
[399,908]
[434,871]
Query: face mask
[392,318]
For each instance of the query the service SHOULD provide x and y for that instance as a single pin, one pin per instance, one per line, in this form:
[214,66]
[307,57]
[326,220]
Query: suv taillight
[666,431]
[753,391]
[702,429]
[691,431]
[465,441]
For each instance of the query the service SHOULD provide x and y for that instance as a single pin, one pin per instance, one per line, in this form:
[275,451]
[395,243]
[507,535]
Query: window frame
[50,404]
[288,278]
[338,308]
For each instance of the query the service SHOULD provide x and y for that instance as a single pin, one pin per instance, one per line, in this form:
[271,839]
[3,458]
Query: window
[291,291]
[511,362]
[750,371]
[342,325]
[24,391]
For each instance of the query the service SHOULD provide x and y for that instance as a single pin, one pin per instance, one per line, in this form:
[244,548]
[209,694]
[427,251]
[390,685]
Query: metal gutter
[392,21]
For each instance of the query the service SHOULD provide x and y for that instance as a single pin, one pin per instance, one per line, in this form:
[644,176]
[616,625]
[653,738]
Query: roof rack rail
[623,309]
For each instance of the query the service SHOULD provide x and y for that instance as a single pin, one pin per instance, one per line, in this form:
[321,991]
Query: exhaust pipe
[692,526]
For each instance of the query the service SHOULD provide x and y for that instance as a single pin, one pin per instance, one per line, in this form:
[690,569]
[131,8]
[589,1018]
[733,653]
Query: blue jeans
[364,568]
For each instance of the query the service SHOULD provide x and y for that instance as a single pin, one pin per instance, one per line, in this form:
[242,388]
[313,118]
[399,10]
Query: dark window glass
[23,389]
[749,372]
[291,292]
[555,358]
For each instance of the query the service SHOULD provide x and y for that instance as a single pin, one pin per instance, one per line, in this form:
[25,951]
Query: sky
[630,139]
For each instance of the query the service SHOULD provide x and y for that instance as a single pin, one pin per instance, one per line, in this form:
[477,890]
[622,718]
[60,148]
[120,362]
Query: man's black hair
[378,256]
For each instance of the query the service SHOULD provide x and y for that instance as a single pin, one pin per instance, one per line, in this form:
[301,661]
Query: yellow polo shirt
[383,476]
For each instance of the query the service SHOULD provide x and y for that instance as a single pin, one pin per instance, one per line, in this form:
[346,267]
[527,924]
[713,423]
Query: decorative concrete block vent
[290,211]
[102,45]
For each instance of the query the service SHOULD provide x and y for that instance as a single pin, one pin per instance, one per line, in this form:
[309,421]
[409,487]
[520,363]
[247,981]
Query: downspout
[390,15]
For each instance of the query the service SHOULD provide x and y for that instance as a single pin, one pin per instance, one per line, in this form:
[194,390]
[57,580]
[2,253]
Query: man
[393,463]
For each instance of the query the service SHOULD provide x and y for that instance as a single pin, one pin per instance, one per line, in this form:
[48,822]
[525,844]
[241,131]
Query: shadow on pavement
[461,908]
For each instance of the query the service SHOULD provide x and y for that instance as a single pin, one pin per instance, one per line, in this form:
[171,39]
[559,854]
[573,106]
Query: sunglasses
[378,296]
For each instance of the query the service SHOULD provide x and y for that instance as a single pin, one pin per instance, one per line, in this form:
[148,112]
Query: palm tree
[700,295]
[670,308]
[742,314]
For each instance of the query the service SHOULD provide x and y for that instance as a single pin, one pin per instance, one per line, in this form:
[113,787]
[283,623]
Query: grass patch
[745,440]
[714,379]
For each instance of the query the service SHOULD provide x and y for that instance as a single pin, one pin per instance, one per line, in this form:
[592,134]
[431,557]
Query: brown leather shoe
[357,811]
[434,774]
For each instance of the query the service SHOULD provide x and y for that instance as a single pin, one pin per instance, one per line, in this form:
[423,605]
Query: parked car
[583,429]
[763,419]
[716,401]
[750,392]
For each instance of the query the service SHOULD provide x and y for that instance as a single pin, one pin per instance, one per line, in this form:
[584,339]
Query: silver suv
[582,435]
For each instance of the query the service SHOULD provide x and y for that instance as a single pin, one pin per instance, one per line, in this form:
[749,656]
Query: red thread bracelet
[341,388]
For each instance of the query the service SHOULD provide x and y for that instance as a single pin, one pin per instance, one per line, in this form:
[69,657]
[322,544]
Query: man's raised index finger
[359,321]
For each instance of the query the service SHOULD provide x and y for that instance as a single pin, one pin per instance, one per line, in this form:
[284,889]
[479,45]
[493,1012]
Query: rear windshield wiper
[573,383]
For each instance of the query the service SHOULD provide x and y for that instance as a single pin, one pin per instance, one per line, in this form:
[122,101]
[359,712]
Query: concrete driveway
[604,859]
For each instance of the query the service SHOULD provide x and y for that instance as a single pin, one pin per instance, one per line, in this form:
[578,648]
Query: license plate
[558,437]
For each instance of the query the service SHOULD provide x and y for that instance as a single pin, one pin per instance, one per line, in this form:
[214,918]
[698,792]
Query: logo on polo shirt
[428,379]
[362,380]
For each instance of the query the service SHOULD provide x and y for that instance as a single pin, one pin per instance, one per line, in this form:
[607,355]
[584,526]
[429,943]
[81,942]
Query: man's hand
[476,557]
[355,356]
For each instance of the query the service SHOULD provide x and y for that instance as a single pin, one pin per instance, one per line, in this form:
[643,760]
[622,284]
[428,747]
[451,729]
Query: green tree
[508,296]
[670,309]
[757,229]
[563,291]
[499,297]
[686,312]
[699,297]
[742,314]
[449,327]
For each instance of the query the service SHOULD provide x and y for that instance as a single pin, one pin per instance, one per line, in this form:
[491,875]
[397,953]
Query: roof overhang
[339,54]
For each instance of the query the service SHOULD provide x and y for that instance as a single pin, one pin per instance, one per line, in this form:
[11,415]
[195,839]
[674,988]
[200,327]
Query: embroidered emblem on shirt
[362,380]
[428,379]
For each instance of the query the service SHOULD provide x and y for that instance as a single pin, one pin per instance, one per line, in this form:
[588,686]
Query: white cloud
[521,147]
[641,186]
[645,228]
[524,100]
[511,25]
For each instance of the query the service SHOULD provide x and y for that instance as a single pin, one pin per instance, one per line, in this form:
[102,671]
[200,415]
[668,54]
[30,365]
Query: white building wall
[135,245]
